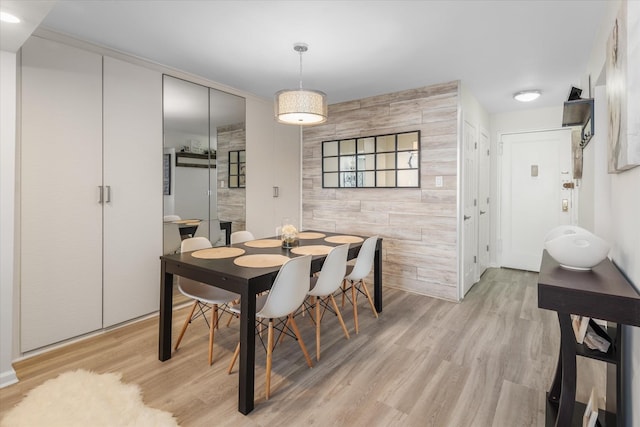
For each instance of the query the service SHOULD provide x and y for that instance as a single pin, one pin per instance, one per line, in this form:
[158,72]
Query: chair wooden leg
[335,307]
[234,358]
[281,340]
[231,315]
[292,321]
[186,323]
[212,327]
[318,317]
[269,358]
[366,291]
[354,301]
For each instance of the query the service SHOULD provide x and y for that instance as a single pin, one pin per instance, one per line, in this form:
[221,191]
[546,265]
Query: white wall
[615,209]
[7,204]
[273,159]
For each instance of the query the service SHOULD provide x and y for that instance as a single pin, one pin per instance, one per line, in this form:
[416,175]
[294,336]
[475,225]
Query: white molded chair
[287,294]
[325,285]
[241,236]
[211,230]
[206,297]
[171,238]
[169,218]
[356,275]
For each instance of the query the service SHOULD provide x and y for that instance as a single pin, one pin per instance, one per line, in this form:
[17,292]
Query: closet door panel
[133,173]
[61,169]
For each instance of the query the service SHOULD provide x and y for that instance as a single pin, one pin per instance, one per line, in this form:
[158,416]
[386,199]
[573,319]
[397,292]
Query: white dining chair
[325,285]
[171,238]
[354,280]
[206,297]
[169,218]
[287,294]
[241,236]
[211,230]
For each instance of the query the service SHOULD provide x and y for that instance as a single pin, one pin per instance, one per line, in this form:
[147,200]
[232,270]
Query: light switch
[534,170]
[439,182]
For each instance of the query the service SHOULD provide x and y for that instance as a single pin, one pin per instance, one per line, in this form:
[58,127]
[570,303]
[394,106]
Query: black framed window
[237,168]
[381,161]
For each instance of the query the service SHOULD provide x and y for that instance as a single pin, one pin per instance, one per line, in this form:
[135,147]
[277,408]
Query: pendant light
[301,106]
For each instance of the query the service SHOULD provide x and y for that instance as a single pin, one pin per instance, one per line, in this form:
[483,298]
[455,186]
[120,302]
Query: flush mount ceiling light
[301,106]
[7,17]
[526,95]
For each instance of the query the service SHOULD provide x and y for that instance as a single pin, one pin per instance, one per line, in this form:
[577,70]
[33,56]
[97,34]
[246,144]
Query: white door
[470,194]
[61,169]
[534,167]
[132,175]
[484,214]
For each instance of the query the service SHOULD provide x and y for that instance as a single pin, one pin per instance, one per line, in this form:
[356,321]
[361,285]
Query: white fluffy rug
[82,398]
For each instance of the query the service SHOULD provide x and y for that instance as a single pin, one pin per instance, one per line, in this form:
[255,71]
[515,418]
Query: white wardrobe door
[61,169]
[133,174]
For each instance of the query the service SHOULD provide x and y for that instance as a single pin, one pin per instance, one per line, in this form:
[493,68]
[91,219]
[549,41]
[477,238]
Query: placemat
[312,250]
[260,260]
[264,243]
[306,235]
[217,253]
[344,239]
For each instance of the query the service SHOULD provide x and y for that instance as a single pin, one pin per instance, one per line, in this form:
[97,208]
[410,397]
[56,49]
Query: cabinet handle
[483,212]
[276,191]
[108,194]
[467,217]
[100,193]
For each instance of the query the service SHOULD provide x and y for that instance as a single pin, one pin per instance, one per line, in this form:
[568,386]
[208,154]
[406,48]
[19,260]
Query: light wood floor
[425,362]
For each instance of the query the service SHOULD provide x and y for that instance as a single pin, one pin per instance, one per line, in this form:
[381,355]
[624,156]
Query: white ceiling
[356,48]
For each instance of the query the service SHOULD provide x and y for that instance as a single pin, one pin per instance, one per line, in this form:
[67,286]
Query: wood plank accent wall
[418,225]
[231,201]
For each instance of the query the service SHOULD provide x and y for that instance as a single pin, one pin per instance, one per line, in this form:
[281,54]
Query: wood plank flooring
[425,362]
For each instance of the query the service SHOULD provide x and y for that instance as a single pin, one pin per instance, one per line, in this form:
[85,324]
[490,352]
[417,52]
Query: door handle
[568,185]
[467,217]
[100,194]
[483,212]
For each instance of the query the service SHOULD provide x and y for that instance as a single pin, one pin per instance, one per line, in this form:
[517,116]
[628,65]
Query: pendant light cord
[301,52]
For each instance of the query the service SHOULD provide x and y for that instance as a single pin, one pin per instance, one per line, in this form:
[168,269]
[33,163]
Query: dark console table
[602,293]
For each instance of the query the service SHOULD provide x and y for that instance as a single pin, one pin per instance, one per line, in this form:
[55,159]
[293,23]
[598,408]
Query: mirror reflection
[201,126]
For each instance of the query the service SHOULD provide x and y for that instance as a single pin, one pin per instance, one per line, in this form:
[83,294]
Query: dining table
[233,272]
[188,227]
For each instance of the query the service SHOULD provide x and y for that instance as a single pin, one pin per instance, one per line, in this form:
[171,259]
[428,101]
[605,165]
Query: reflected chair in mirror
[354,280]
[169,218]
[171,238]
[241,236]
[277,308]
[211,230]
[324,286]
[206,297]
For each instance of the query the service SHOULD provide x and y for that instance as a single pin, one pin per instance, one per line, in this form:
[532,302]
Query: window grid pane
[383,161]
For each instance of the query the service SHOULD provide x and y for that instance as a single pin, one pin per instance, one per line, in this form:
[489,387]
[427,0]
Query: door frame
[499,190]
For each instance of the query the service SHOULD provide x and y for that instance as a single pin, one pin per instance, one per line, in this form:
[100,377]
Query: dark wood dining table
[247,282]
[189,228]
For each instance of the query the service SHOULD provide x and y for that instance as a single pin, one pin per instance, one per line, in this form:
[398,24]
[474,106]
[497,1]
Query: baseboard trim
[7,378]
